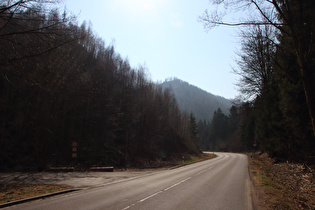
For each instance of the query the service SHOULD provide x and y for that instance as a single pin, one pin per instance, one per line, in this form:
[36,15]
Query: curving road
[219,183]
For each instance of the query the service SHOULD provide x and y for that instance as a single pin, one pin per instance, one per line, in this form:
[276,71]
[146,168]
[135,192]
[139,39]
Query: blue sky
[166,37]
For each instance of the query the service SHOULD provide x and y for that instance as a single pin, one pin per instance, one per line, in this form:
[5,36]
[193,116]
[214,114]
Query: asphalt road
[219,183]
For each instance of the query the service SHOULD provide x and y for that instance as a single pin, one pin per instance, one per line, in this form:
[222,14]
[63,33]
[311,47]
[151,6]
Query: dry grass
[271,194]
[13,192]
[279,186]
[194,159]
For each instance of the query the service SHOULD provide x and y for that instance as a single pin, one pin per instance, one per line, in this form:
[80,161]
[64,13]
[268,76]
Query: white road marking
[159,192]
[201,172]
[150,196]
[174,185]
[128,206]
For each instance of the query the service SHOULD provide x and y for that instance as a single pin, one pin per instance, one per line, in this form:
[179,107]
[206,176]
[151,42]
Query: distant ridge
[193,99]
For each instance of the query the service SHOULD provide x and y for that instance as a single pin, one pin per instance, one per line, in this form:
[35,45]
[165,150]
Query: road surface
[219,183]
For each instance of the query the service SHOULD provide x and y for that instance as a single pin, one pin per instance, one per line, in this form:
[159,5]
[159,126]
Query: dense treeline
[277,69]
[222,132]
[60,83]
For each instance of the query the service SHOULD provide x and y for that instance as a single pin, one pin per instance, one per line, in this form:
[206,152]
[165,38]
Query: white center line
[159,192]
[126,208]
[150,196]
[174,185]
[201,172]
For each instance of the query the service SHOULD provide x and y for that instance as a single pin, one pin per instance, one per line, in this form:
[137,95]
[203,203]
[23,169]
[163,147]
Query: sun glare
[139,6]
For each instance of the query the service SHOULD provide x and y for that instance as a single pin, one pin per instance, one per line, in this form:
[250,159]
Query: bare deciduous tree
[256,60]
[23,18]
[293,18]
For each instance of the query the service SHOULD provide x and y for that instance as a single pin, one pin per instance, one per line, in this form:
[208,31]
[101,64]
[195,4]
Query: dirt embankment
[282,185]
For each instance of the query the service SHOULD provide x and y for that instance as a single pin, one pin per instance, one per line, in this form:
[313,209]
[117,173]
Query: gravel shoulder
[17,186]
[71,179]
[20,185]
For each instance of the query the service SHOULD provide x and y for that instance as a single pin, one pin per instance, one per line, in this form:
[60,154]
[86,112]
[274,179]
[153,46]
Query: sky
[166,37]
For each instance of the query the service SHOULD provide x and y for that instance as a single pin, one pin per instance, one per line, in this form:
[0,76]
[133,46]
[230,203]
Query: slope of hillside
[193,99]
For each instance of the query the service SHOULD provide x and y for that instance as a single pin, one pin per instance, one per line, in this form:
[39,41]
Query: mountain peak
[191,98]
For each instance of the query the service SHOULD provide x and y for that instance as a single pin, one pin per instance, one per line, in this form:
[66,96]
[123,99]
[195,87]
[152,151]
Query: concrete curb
[12,203]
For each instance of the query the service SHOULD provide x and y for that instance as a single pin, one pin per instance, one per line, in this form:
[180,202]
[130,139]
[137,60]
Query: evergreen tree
[193,126]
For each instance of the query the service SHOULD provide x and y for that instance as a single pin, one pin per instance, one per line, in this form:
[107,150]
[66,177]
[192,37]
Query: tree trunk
[306,78]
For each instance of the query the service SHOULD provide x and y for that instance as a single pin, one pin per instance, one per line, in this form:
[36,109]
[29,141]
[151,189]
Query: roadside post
[74,149]
[254,147]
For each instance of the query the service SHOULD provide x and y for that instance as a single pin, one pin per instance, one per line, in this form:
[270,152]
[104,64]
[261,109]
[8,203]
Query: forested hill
[193,99]
[66,98]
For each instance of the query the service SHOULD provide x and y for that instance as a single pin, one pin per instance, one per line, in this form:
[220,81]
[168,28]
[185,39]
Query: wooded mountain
[193,99]
[60,86]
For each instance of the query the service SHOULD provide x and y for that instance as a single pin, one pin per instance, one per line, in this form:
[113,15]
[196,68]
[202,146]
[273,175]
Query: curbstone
[12,203]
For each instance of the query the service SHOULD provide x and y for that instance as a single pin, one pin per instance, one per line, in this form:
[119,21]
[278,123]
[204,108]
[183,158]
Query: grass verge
[269,193]
[276,186]
[17,191]
[194,159]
